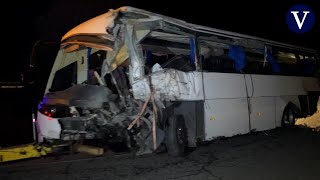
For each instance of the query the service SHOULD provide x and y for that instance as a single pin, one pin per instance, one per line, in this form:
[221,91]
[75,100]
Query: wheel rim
[289,118]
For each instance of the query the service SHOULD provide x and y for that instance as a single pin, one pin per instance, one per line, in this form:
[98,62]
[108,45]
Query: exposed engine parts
[95,113]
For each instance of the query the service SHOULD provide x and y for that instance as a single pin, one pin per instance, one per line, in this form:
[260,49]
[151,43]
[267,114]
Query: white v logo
[295,14]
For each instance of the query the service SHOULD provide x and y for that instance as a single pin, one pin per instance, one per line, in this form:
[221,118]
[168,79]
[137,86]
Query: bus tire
[176,136]
[288,117]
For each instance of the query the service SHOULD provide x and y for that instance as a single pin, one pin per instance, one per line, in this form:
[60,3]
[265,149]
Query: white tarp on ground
[312,121]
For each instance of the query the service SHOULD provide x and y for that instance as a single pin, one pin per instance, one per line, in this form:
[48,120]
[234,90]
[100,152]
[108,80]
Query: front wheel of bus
[176,136]
[288,118]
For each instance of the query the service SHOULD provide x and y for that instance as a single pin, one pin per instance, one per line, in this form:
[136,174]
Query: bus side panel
[272,85]
[226,105]
[284,89]
[262,113]
[224,85]
[226,117]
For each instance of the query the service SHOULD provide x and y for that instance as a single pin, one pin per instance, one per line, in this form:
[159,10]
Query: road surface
[277,154]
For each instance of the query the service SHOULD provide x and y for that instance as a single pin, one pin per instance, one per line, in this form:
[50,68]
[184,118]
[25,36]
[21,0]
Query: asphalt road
[277,154]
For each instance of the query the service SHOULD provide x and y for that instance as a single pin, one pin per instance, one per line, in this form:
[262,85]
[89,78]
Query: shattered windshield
[84,66]
[64,78]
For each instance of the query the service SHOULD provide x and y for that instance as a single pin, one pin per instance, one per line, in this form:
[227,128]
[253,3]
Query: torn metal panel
[114,59]
[141,34]
[119,53]
[136,57]
[171,84]
[98,25]
[170,37]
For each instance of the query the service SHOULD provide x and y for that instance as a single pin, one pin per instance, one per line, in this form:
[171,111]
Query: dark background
[26,22]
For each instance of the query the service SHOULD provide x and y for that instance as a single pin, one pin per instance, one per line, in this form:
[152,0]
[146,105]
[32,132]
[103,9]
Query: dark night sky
[30,21]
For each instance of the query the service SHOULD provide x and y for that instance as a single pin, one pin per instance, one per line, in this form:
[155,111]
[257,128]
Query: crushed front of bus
[88,94]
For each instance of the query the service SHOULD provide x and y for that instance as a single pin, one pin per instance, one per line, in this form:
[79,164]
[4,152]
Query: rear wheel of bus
[288,117]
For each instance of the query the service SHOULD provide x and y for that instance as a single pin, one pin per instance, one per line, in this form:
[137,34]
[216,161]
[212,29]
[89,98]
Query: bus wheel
[288,118]
[176,136]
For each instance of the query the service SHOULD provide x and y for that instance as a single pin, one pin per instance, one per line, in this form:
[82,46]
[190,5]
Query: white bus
[145,80]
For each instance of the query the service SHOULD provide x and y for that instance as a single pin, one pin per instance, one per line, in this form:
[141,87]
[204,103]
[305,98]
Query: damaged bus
[146,80]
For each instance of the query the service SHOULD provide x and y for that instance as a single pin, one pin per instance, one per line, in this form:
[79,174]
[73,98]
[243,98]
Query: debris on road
[311,121]
[97,151]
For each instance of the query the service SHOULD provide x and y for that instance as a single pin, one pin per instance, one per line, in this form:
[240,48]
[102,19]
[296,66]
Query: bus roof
[100,23]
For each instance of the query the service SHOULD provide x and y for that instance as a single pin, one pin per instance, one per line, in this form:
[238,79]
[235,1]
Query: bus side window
[256,64]
[217,60]
[253,68]
[266,68]
[218,64]
[290,69]
[228,65]
[307,65]
[292,64]
[168,54]
[212,64]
